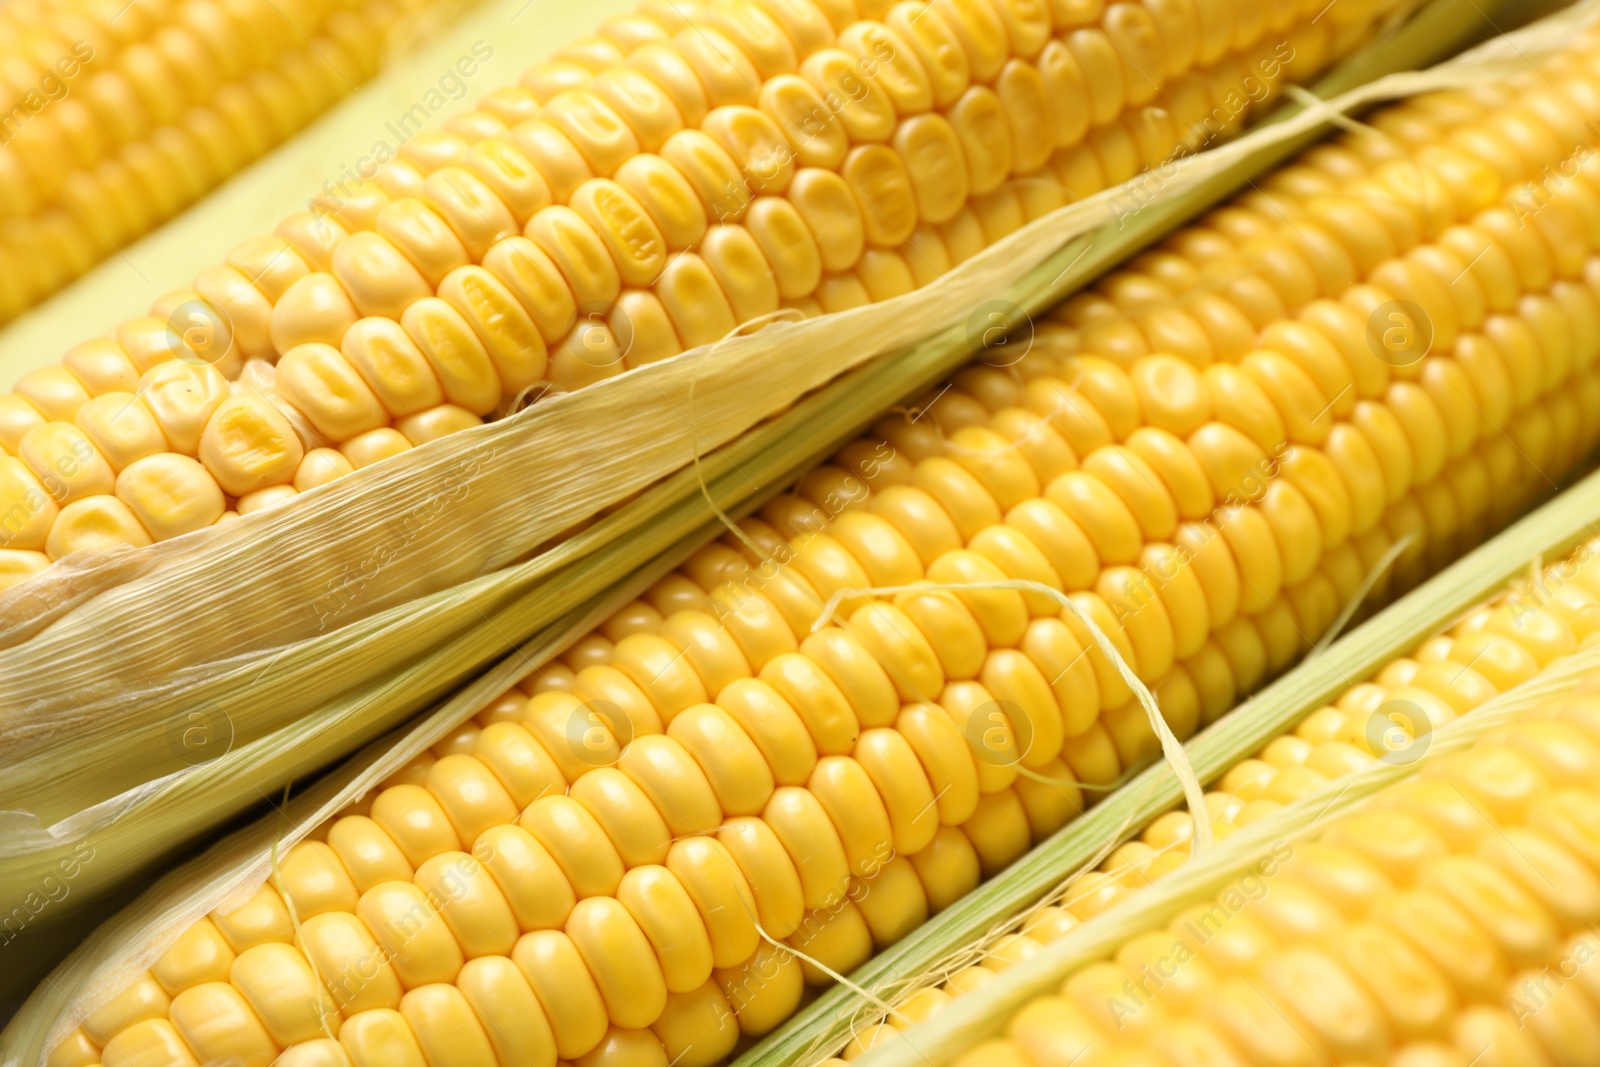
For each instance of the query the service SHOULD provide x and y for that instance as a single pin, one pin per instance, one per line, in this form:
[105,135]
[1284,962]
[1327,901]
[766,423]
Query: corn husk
[229,872]
[565,602]
[153,694]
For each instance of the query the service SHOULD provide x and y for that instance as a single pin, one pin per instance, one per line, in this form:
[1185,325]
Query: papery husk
[287,638]
[525,615]
[452,600]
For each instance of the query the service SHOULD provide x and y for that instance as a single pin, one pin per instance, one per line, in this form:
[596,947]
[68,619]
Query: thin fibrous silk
[1388,718]
[704,753]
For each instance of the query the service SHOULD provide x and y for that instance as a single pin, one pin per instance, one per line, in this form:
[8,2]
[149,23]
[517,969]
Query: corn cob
[1494,648]
[648,190]
[121,115]
[892,533]
[793,764]
[1448,920]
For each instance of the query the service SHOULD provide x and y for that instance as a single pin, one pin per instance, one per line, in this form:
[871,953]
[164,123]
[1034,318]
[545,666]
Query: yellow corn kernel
[710,764]
[248,445]
[378,278]
[454,353]
[313,309]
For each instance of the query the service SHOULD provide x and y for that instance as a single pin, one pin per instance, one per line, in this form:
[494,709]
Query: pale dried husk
[292,636]
[409,651]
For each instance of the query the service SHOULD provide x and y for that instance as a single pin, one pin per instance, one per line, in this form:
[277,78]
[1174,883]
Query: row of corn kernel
[451,359]
[953,861]
[150,180]
[129,91]
[883,272]
[394,915]
[1251,645]
[1498,646]
[1313,603]
[36,34]
[411,824]
[1493,472]
[1291,246]
[1492,260]
[1495,648]
[158,123]
[407,821]
[1446,921]
[888,273]
[588,656]
[1480,306]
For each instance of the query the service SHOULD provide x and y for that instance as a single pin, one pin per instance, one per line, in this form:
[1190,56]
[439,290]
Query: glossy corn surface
[121,115]
[690,169]
[1448,920]
[705,768]
[1389,718]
